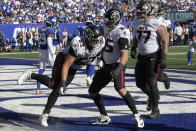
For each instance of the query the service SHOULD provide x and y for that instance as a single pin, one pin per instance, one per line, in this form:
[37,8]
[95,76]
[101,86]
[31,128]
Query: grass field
[176,59]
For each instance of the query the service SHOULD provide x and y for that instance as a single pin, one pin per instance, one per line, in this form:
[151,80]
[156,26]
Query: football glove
[163,61]
[100,64]
[133,52]
[62,87]
[116,72]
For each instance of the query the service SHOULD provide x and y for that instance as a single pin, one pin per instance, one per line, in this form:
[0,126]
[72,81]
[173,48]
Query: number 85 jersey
[111,52]
[146,34]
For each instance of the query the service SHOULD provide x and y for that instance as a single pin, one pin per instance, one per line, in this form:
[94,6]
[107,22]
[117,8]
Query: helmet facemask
[112,18]
[93,38]
[143,10]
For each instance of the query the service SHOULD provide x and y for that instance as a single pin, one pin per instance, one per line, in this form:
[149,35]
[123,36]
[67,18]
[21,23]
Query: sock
[51,101]
[99,103]
[90,70]
[130,102]
[156,96]
[41,71]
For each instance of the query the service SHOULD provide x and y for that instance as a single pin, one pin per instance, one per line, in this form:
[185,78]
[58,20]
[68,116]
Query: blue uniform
[43,34]
[192,39]
[56,39]
[192,30]
[45,52]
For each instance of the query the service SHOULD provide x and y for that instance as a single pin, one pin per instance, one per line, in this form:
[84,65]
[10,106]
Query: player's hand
[62,87]
[100,64]
[163,61]
[117,71]
[133,52]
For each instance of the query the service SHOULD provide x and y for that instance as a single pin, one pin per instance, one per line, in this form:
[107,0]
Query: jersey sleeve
[73,47]
[123,32]
[157,23]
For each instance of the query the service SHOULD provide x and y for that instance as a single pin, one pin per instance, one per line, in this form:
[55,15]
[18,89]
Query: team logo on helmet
[115,15]
[89,33]
[147,8]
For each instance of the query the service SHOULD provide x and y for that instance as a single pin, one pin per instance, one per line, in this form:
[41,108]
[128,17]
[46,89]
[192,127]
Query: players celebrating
[115,57]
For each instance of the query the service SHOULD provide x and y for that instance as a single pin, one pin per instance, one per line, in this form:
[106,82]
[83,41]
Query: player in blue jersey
[192,41]
[57,38]
[47,50]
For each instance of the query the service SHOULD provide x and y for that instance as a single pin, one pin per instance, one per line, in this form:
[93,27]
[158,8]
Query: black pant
[146,74]
[54,81]
[178,41]
[103,77]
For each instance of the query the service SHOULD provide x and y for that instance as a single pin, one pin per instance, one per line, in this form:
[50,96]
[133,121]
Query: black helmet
[93,36]
[112,18]
[144,8]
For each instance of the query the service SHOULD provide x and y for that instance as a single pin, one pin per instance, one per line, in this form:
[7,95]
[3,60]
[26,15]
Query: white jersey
[83,54]
[146,34]
[192,47]
[164,22]
[111,53]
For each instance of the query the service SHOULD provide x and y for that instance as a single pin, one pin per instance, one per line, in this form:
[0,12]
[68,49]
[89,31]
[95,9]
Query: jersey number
[42,38]
[147,37]
[108,46]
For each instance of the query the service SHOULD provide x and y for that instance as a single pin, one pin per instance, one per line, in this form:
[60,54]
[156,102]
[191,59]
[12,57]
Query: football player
[192,41]
[57,38]
[148,31]
[163,77]
[115,56]
[47,51]
[83,49]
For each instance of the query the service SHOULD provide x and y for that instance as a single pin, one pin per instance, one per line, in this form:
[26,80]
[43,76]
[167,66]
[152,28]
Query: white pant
[46,58]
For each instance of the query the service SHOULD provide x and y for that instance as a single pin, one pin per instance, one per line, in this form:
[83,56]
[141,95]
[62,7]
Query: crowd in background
[77,11]
[74,11]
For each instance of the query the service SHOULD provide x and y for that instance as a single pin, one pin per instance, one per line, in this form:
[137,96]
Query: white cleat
[43,120]
[88,81]
[139,120]
[101,120]
[24,77]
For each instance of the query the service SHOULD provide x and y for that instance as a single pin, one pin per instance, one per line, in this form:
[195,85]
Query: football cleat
[189,63]
[24,77]
[43,120]
[139,120]
[103,119]
[88,81]
[155,113]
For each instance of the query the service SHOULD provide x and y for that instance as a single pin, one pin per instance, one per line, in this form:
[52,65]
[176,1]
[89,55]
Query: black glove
[116,72]
[163,61]
[62,86]
[133,52]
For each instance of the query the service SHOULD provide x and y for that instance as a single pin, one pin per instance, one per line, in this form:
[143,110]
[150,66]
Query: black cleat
[155,113]
[149,105]
[166,82]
